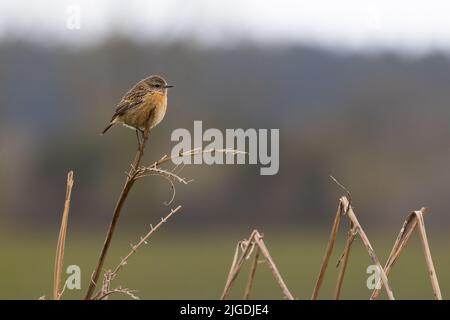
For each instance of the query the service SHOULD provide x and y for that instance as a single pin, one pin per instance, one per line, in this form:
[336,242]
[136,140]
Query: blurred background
[359,90]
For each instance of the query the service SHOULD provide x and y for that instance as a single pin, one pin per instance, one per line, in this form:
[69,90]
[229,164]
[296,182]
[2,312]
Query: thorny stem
[131,178]
[143,241]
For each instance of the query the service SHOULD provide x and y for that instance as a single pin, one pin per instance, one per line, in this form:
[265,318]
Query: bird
[144,104]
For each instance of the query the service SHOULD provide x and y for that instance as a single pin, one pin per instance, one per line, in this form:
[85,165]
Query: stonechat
[145,104]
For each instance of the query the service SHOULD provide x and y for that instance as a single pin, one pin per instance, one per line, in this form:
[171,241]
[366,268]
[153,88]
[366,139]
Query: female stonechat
[145,104]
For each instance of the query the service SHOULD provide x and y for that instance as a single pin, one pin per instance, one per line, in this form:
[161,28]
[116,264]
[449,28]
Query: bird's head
[157,83]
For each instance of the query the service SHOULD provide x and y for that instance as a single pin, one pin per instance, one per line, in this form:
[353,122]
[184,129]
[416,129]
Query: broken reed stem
[131,178]
[400,243]
[344,260]
[272,266]
[351,215]
[237,263]
[328,252]
[59,259]
[251,276]
[255,239]
[231,272]
[428,258]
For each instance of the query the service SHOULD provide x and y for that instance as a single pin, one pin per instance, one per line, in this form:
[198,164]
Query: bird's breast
[160,110]
[153,106]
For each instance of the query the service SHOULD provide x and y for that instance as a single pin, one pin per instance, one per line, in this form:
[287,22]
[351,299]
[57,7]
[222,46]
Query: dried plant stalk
[428,258]
[247,246]
[273,267]
[328,252]
[111,275]
[405,233]
[351,215]
[126,291]
[129,182]
[107,278]
[142,241]
[230,275]
[135,173]
[237,263]
[59,259]
[251,276]
[344,260]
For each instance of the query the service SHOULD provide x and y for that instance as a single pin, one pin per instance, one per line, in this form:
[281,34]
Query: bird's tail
[107,128]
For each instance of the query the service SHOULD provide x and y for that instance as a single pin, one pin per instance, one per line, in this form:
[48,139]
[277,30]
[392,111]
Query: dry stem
[405,233]
[237,263]
[328,252]
[142,241]
[128,292]
[247,246]
[345,208]
[59,259]
[251,277]
[351,215]
[344,260]
[135,173]
[273,267]
[428,259]
[111,275]
[131,178]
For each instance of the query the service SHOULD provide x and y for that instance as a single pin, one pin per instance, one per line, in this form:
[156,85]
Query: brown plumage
[145,103]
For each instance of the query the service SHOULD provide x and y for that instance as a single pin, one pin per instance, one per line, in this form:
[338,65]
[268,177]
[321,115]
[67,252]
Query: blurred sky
[413,27]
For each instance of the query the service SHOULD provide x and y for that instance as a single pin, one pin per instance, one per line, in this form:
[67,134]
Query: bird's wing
[132,98]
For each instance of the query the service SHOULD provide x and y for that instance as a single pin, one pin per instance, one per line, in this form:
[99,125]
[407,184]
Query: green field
[195,265]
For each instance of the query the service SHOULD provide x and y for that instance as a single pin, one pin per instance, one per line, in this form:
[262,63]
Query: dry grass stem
[251,276]
[129,182]
[410,224]
[246,246]
[59,259]
[238,261]
[273,267]
[345,209]
[405,233]
[351,215]
[328,252]
[344,260]
[428,258]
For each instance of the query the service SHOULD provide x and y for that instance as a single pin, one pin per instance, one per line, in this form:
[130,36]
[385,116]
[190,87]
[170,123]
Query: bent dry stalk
[247,246]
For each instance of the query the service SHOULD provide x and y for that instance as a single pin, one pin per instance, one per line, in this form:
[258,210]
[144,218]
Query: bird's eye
[157,85]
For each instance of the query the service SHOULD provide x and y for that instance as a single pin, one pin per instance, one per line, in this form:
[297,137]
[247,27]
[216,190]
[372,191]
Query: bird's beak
[168,86]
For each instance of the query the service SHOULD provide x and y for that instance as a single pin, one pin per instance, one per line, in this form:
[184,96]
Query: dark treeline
[379,123]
